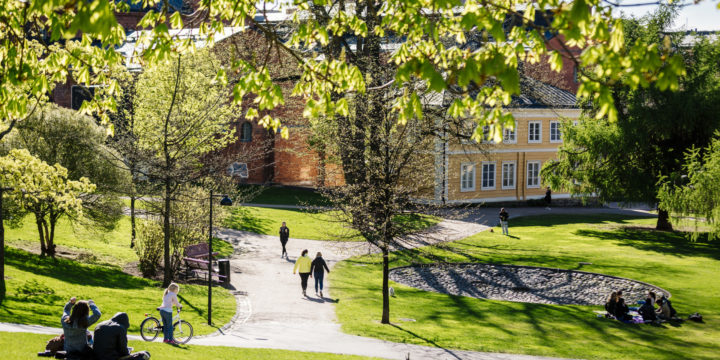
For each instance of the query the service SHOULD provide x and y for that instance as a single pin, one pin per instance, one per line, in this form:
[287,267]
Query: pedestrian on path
[548,198]
[504,221]
[284,236]
[303,264]
[316,269]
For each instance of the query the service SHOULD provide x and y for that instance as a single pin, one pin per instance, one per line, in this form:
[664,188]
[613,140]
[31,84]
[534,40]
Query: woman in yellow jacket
[303,264]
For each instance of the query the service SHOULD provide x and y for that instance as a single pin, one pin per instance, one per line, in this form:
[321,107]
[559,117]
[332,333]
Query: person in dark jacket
[647,310]
[284,236]
[610,304]
[75,321]
[504,221]
[111,340]
[548,197]
[316,268]
[622,310]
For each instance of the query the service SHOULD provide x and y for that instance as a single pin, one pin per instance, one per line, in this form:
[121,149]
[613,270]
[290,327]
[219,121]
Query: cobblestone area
[521,283]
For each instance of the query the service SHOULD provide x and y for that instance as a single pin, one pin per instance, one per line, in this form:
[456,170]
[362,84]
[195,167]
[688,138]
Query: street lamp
[225,201]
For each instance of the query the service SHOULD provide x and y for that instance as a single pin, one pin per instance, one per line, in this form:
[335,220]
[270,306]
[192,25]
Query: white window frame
[539,132]
[463,175]
[559,132]
[482,175]
[486,135]
[527,175]
[514,175]
[507,131]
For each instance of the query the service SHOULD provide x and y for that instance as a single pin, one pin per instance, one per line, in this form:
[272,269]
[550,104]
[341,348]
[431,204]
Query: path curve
[272,313]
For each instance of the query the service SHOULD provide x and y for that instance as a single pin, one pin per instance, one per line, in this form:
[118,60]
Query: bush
[149,247]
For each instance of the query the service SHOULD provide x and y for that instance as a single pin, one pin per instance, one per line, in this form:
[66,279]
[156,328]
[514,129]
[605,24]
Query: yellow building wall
[520,152]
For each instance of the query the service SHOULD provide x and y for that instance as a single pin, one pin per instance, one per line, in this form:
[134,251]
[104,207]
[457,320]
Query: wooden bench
[196,263]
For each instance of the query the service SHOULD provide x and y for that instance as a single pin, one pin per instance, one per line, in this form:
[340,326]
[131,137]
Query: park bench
[196,263]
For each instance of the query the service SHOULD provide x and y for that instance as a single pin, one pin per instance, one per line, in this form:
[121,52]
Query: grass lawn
[279,195]
[38,288]
[305,224]
[26,346]
[613,244]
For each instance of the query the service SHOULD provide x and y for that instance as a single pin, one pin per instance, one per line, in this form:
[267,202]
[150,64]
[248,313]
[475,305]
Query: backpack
[56,344]
[695,317]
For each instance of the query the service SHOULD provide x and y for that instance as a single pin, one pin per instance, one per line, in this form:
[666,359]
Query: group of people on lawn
[617,307]
[304,265]
[109,340]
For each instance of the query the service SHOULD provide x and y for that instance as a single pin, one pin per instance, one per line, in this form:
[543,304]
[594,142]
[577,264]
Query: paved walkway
[272,313]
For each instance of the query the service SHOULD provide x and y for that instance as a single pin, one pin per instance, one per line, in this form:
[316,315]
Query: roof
[537,94]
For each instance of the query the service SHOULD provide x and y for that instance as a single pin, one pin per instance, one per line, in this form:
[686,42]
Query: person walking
[316,269]
[75,321]
[284,236]
[548,198]
[303,264]
[504,221]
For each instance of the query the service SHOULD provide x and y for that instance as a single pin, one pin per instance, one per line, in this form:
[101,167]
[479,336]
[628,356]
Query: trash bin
[224,270]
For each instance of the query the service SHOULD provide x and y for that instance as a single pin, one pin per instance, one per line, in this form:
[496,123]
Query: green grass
[38,288]
[95,246]
[26,346]
[279,195]
[306,224]
[611,243]
[224,248]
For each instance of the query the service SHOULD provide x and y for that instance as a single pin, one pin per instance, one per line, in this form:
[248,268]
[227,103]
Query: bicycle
[150,328]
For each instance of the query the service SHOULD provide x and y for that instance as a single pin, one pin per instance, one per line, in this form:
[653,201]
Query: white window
[509,136]
[534,132]
[508,175]
[533,174]
[555,134]
[467,177]
[487,135]
[238,169]
[488,175]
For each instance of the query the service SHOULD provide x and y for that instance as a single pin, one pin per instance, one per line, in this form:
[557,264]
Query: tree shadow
[670,243]
[243,219]
[449,352]
[73,272]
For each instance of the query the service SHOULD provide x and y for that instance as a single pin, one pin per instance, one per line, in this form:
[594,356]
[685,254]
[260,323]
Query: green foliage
[699,194]
[43,190]
[614,245]
[623,160]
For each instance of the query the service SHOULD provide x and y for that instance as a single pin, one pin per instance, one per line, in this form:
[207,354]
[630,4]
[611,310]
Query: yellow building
[509,170]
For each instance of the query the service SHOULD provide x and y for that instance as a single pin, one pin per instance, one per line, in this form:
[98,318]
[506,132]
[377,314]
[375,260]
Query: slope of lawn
[280,195]
[614,245]
[307,224]
[38,288]
[22,346]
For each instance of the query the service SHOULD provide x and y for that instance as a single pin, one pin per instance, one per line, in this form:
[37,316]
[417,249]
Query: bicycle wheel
[150,328]
[182,332]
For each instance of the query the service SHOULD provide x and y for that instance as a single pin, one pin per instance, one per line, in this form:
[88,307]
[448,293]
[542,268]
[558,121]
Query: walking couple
[307,268]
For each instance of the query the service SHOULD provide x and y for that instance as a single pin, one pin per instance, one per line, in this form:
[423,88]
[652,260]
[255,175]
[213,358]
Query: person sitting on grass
[666,310]
[647,310]
[622,311]
[111,340]
[75,321]
[610,304]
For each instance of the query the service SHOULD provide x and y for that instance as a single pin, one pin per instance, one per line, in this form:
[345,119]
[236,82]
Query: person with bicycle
[169,299]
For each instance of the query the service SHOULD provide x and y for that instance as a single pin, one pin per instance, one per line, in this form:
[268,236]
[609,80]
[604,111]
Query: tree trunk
[50,247]
[663,221]
[51,236]
[322,172]
[41,233]
[132,221]
[167,278]
[386,289]
[2,249]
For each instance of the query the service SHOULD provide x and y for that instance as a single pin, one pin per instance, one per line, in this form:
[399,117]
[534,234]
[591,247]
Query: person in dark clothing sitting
[316,269]
[665,310]
[610,304]
[647,310]
[111,340]
[622,310]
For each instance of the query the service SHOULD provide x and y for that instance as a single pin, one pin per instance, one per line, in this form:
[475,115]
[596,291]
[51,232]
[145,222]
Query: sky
[702,16]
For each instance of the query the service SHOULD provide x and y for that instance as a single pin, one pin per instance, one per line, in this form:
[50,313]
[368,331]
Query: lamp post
[225,202]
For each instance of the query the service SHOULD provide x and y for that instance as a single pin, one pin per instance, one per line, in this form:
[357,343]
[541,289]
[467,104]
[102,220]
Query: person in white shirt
[169,299]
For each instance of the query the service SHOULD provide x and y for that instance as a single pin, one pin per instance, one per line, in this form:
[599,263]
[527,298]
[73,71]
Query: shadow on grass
[567,219]
[73,272]
[674,243]
[450,352]
[242,219]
